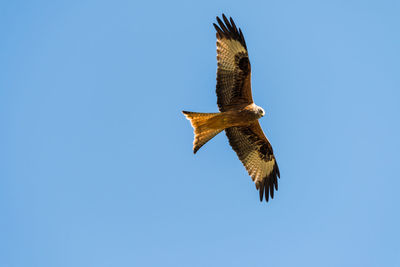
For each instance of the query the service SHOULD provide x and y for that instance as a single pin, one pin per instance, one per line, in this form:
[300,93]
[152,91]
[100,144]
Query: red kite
[238,114]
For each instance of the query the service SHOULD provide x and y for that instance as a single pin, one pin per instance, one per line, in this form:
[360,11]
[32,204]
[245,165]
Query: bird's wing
[234,70]
[256,154]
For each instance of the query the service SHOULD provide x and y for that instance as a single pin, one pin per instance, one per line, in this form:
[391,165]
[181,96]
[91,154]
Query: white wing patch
[226,51]
[258,168]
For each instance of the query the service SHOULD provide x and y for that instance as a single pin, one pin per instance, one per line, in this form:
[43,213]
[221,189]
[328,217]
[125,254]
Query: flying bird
[238,114]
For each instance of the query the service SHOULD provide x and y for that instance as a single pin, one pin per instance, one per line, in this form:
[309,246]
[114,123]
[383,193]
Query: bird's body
[238,114]
[226,119]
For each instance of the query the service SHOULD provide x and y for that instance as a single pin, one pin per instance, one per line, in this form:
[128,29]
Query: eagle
[238,114]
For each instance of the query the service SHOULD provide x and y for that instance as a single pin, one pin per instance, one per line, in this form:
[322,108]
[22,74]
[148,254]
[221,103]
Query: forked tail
[205,125]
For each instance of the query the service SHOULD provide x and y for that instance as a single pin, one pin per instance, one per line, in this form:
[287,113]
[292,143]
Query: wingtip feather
[227,29]
[261,189]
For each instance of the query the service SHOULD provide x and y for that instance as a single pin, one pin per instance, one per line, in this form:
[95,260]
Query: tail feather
[205,125]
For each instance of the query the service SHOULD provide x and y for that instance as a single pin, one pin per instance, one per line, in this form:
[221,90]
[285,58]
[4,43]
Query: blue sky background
[96,160]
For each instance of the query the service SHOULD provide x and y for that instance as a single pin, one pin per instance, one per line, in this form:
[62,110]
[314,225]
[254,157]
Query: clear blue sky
[96,160]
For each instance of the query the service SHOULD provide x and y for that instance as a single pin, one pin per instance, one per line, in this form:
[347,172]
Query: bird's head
[261,111]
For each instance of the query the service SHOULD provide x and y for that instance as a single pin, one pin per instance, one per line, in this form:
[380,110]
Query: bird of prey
[238,114]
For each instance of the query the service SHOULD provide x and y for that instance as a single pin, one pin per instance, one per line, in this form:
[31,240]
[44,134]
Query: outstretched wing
[256,154]
[234,71]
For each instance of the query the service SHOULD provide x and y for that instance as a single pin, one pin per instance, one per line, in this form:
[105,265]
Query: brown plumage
[238,114]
